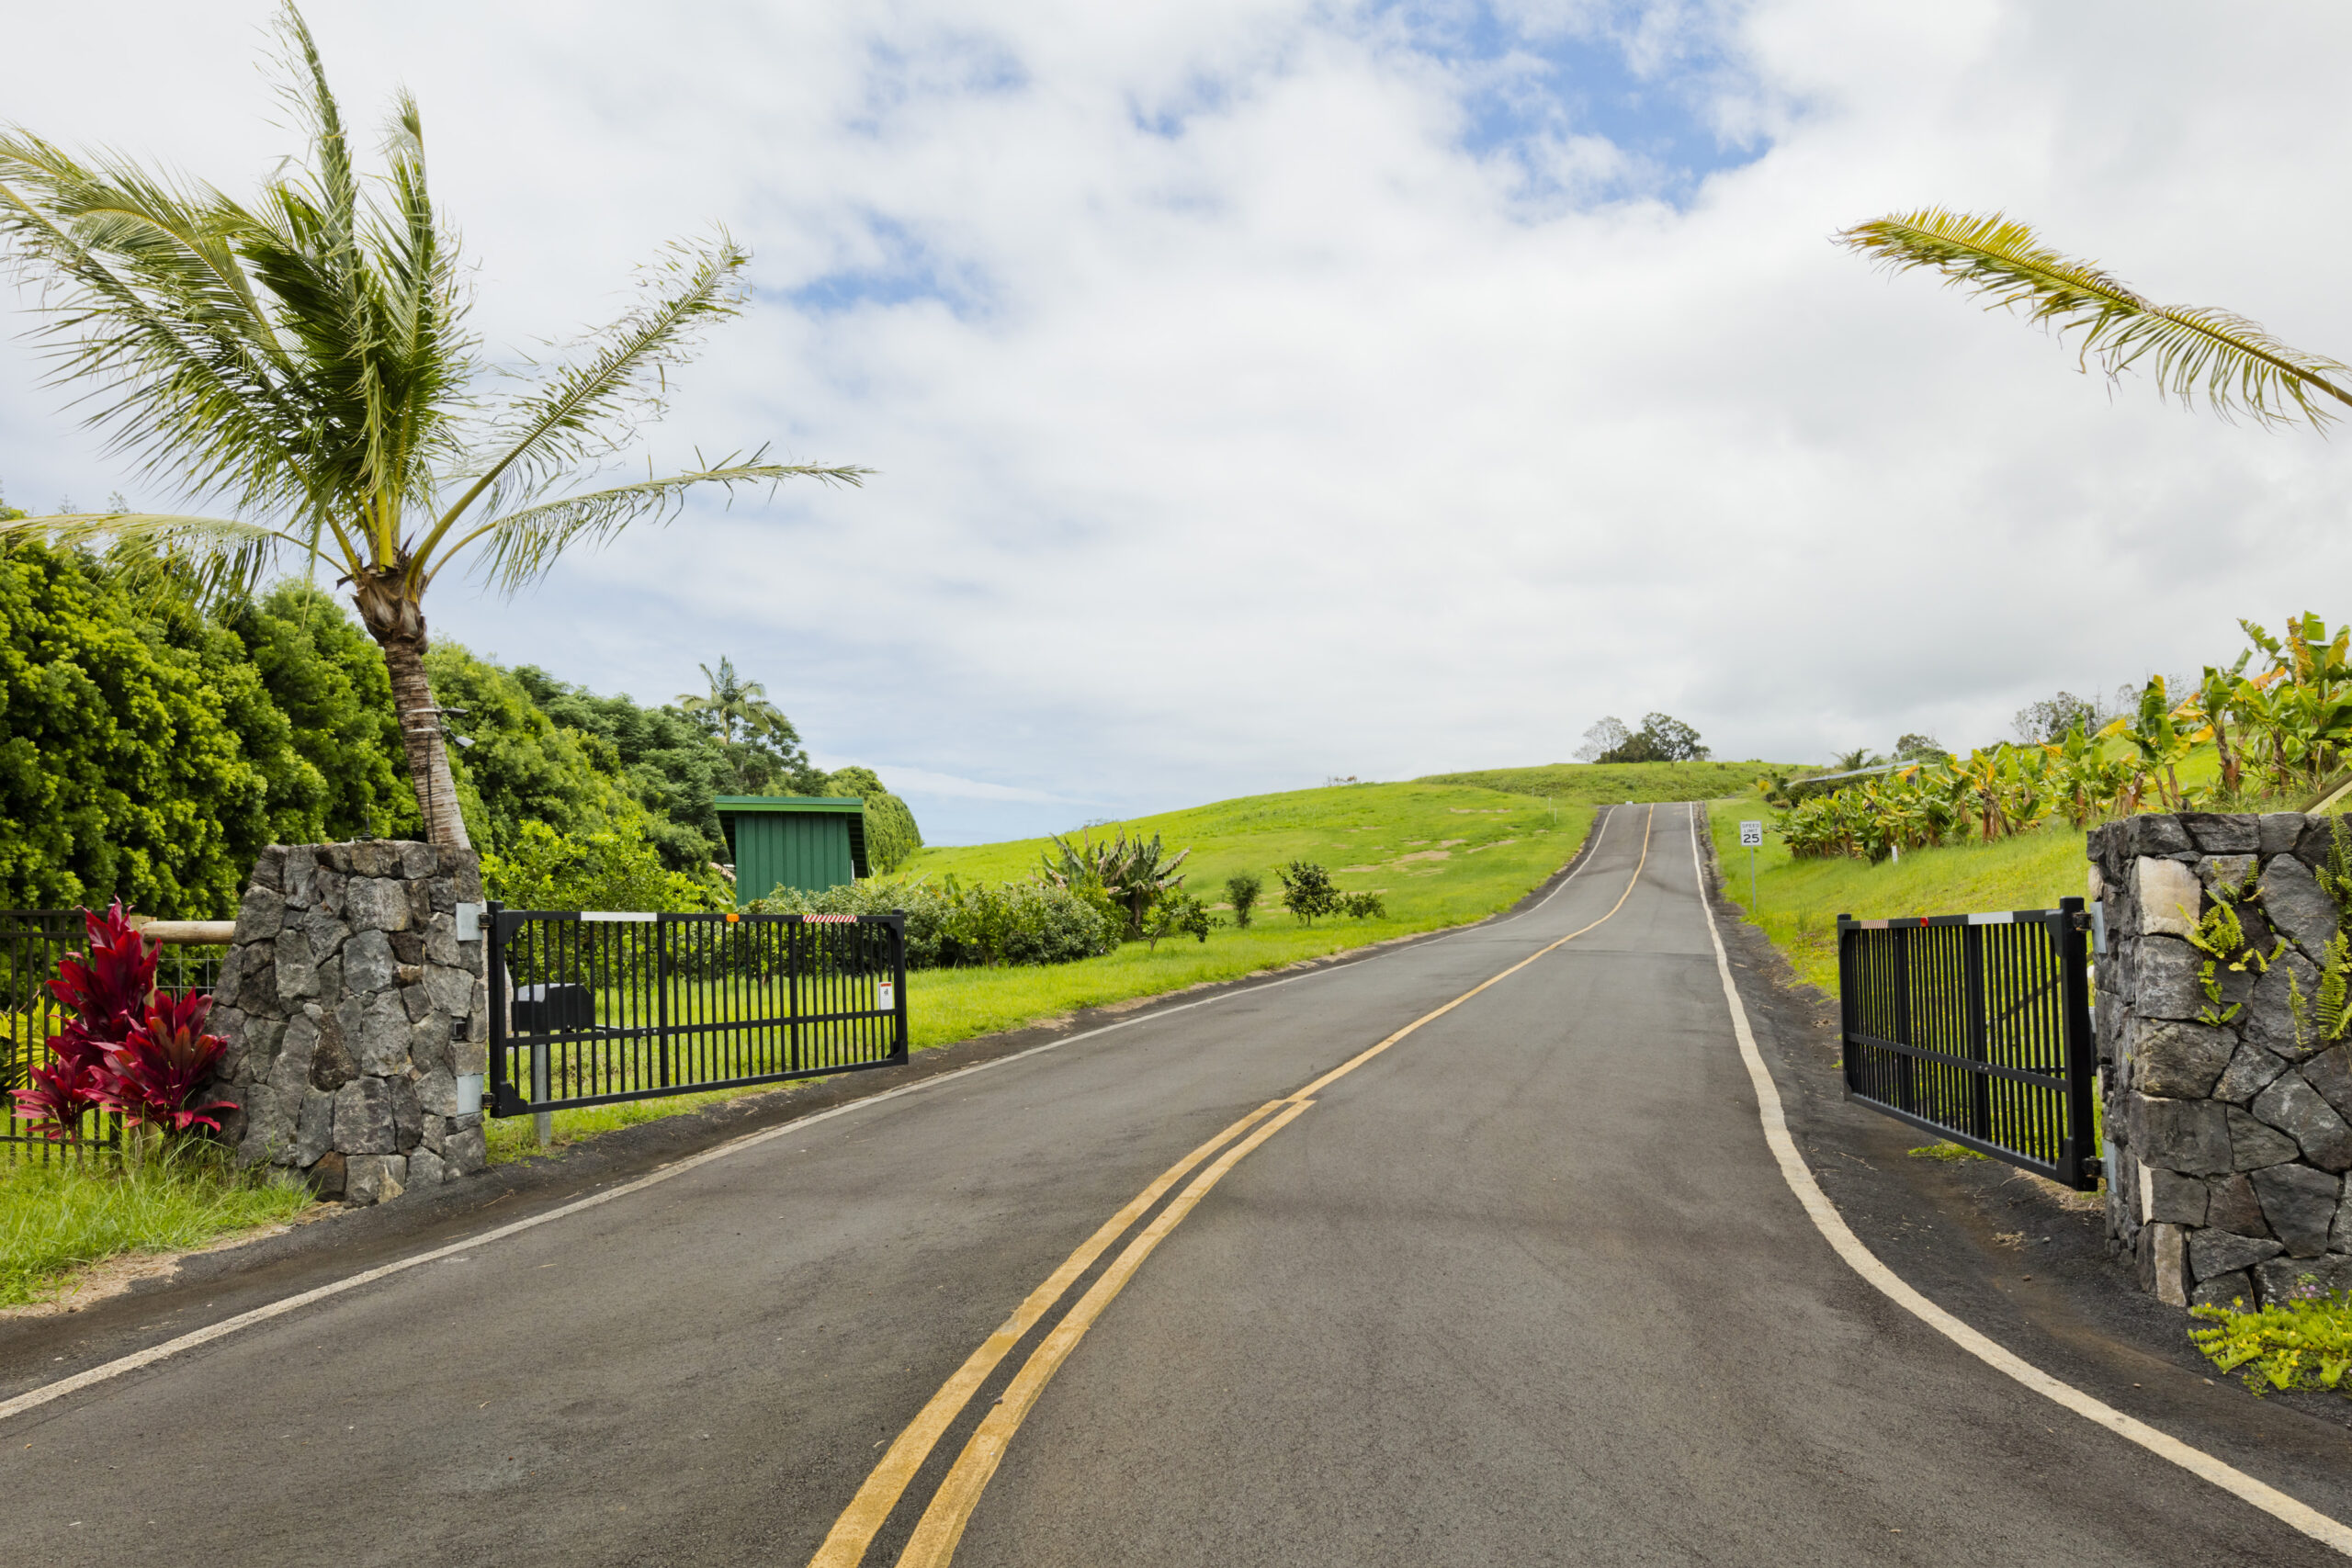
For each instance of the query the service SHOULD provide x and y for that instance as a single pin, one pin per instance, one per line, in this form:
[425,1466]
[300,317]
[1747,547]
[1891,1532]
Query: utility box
[811,842]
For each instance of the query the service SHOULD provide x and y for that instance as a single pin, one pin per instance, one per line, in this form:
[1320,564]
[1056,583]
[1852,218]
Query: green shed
[811,842]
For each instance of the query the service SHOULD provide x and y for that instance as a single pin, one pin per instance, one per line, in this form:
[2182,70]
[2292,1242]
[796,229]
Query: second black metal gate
[589,1008]
[1976,1027]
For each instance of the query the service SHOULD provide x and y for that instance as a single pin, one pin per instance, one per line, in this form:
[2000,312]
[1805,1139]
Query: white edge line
[1842,1240]
[33,1398]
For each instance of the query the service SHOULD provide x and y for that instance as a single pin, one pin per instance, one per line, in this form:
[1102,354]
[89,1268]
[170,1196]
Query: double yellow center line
[942,1525]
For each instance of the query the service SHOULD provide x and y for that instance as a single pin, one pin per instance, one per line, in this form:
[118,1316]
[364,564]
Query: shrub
[1241,889]
[102,990]
[1176,914]
[891,836]
[613,868]
[154,1073]
[1307,891]
[123,1050]
[1362,907]
[1133,874]
[952,925]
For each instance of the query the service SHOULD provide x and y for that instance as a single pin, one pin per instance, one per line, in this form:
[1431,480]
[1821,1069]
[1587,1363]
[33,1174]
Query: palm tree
[302,359]
[2191,351]
[732,701]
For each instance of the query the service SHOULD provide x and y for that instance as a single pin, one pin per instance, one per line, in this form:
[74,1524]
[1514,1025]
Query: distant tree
[1661,739]
[763,749]
[1919,749]
[733,701]
[1602,739]
[2046,723]
[1670,739]
[1861,757]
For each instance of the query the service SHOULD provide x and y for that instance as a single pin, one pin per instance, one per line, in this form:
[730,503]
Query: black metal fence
[588,1009]
[31,943]
[1977,1027]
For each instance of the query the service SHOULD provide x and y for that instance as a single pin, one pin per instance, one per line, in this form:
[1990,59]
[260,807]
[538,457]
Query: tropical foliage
[1133,874]
[125,1048]
[301,358]
[148,753]
[2279,719]
[150,747]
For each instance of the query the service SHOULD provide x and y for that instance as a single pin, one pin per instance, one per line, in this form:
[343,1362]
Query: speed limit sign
[1751,834]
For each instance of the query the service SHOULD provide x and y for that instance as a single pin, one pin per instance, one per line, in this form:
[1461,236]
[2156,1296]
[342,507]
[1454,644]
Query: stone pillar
[357,1019]
[2226,1121]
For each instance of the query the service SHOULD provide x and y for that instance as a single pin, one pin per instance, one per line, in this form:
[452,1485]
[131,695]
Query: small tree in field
[1307,891]
[1241,890]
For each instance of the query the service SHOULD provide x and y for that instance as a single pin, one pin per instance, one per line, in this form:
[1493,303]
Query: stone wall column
[2226,1121]
[357,1017]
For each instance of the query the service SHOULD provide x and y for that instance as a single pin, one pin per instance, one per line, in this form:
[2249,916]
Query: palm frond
[581,413]
[208,558]
[147,304]
[2189,351]
[523,545]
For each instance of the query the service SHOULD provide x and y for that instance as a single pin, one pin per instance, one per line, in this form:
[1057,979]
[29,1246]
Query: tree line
[152,743]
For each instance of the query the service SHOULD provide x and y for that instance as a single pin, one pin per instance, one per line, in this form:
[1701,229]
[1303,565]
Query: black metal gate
[588,1008]
[1977,1027]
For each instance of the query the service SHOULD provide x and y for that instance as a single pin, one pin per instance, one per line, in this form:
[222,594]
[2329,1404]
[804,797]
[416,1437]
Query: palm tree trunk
[428,754]
[397,623]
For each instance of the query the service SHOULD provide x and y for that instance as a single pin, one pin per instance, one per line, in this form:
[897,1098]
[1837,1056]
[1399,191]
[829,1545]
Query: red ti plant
[157,1067]
[106,991]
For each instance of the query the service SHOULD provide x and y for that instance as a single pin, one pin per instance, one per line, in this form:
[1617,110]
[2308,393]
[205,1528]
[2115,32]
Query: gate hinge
[2093,1167]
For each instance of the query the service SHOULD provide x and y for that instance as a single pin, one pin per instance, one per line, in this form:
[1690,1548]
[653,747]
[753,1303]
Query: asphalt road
[1525,1287]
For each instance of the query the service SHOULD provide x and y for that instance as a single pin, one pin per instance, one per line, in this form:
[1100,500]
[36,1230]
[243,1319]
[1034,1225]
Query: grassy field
[61,1216]
[1603,783]
[1798,901]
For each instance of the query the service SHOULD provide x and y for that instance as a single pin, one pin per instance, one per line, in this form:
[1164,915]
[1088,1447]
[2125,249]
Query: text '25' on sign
[1751,834]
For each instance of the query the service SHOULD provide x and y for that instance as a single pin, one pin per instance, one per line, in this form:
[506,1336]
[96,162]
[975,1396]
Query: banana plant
[2210,708]
[1134,873]
[2159,740]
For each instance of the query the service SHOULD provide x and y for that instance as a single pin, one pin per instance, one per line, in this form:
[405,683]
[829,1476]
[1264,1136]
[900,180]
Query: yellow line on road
[855,1530]
[943,1522]
[951,1508]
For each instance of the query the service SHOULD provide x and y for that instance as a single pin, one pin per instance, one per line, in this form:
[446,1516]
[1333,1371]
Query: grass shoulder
[1796,902]
[59,1216]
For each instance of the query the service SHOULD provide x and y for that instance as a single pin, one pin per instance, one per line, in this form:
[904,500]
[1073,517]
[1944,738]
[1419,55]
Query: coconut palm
[301,360]
[2192,352]
[732,701]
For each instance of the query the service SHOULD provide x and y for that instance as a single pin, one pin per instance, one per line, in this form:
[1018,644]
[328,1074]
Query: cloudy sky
[1262,392]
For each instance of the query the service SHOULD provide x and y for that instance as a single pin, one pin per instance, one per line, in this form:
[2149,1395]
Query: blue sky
[1260,392]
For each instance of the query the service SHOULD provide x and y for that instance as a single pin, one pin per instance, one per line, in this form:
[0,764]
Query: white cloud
[1239,424]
